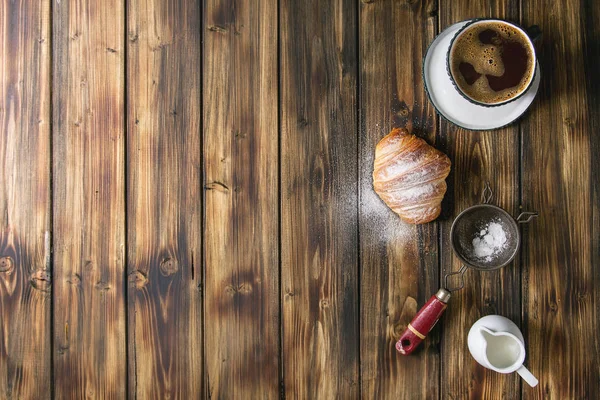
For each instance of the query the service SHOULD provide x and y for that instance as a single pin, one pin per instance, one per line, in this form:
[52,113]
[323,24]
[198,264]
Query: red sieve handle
[423,322]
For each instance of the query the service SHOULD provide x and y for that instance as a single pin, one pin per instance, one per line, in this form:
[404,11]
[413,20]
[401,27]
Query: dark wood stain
[561,304]
[25,282]
[319,224]
[240,133]
[156,157]
[88,200]
[478,157]
[591,55]
[164,199]
[399,263]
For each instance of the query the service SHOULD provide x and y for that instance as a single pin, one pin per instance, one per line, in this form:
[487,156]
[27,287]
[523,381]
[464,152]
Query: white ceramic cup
[454,107]
[533,35]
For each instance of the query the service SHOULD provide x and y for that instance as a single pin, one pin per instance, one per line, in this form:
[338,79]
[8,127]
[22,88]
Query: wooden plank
[478,157]
[319,199]
[399,262]
[241,199]
[560,179]
[89,191]
[25,282]
[164,199]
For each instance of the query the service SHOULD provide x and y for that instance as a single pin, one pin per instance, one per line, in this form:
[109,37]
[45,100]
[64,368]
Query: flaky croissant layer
[409,176]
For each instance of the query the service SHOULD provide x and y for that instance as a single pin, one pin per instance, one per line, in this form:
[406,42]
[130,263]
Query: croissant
[409,176]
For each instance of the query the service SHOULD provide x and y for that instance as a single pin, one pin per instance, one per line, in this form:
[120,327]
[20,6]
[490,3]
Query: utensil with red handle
[423,322]
[428,315]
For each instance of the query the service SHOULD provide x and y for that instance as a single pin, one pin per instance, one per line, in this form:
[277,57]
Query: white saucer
[455,108]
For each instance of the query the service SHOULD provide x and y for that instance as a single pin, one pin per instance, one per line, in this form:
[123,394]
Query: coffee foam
[486,60]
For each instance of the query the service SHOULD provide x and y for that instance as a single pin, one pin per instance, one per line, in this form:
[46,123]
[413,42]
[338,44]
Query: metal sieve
[470,222]
[466,226]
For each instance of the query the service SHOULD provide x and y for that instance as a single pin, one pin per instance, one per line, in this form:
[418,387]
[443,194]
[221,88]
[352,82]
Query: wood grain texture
[153,145]
[478,157]
[89,192]
[319,224]
[25,282]
[241,199]
[399,262]
[591,58]
[164,199]
[561,305]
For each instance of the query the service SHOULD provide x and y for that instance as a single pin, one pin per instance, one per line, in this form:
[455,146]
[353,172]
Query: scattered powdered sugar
[490,241]
[380,224]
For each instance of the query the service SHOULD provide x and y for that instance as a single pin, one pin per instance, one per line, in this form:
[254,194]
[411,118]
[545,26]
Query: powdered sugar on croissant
[409,176]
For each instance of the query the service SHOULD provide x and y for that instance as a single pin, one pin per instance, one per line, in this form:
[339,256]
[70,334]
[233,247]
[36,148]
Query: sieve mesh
[470,222]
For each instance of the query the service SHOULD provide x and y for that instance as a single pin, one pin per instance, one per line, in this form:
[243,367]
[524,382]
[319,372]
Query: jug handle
[527,376]
[423,322]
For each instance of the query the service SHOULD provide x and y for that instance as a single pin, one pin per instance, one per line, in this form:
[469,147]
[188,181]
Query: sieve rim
[502,211]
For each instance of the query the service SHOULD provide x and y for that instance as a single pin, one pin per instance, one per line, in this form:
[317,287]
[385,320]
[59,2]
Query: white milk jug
[497,343]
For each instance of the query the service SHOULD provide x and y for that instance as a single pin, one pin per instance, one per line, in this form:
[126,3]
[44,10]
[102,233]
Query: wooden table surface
[187,211]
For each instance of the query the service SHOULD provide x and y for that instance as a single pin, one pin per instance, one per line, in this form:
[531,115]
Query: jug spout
[486,332]
[478,344]
[486,335]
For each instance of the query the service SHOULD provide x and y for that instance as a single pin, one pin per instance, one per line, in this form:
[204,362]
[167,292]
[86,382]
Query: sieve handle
[423,322]
[525,217]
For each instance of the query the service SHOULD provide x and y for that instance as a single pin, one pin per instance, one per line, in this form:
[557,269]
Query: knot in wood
[302,122]
[6,264]
[241,289]
[490,303]
[41,280]
[218,186]
[169,266]
[217,28]
[74,279]
[240,135]
[102,286]
[138,278]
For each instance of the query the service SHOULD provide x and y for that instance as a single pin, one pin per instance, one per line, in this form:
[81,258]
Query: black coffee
[491,62]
